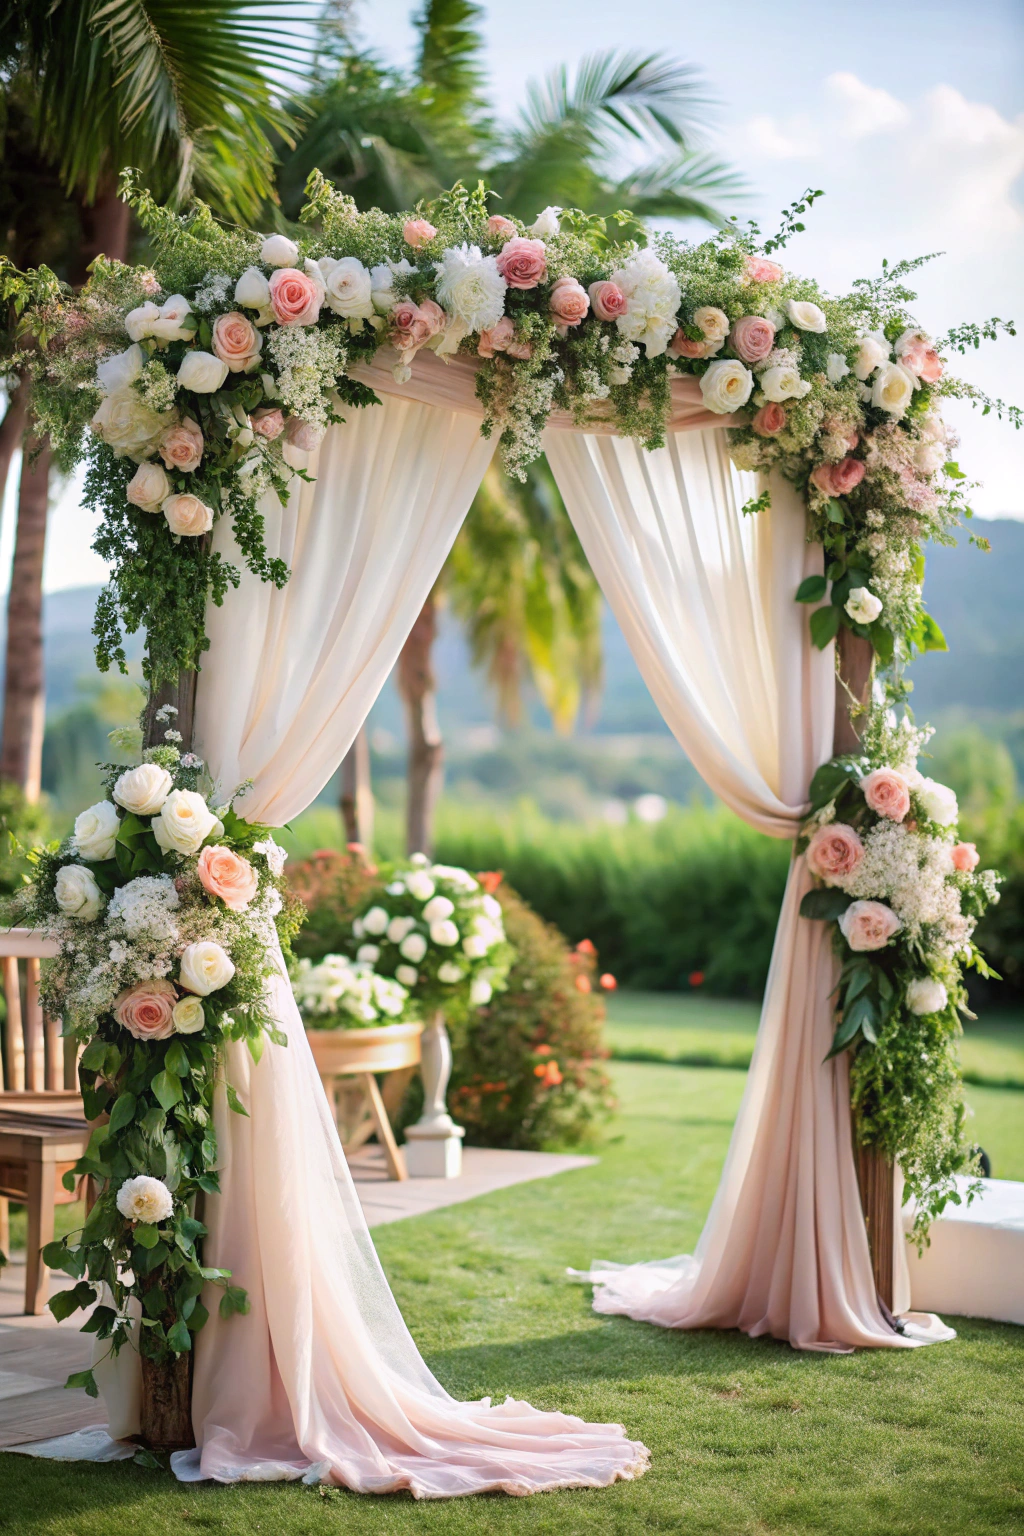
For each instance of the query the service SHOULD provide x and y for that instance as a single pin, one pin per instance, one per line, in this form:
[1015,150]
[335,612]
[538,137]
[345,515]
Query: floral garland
[239,351]
[167,913]
[903,895]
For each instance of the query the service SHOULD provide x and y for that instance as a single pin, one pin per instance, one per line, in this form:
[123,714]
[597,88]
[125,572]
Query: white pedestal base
[432,1156]
[433,1146]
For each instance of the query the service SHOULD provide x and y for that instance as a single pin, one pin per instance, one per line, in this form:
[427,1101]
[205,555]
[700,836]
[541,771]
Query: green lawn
[747,1436]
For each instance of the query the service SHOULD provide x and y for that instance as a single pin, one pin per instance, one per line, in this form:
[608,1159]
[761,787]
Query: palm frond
[679,186]
[618,94]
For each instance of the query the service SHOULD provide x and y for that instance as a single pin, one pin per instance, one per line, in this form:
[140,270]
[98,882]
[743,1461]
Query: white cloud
[866,109]
[792,140]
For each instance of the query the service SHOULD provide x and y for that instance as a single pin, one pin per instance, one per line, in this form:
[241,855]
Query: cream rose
[237,342]
[783,382]
[714,323]
[148,487]
[399,927]
[862,605]
[279,251]
[806,316]
[470,287]
[450,973]
[437,909]
[408,975]
[202,372]
[938,801]
[77,894]
[893,389]
[868,925]
[925,995]
[144,789]
[187,516]
[127,424]
[185,822]
[172,323]
[144,1199]
[96,832]
[119,371]
[349,291]
[252,291]
[181,447]
[204,968]
[188,1016]
[726,386]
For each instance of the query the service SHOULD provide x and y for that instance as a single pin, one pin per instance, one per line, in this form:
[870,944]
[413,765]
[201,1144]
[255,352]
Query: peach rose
[839,479]
[520,349]
[227,875]
[147,1009]
[237,342]
[923,360]
[302,435]
[568,302]
[834,852]
[752,338]
[294,297]
[607,300]
[187,516]
[410,327]
[868,925]
[771,418]
[758,269]
[268,422]
[523,263]
[887,793]
[497,338]
[417,232]
[682,346]
[499,226]
[965,857]
[181,447]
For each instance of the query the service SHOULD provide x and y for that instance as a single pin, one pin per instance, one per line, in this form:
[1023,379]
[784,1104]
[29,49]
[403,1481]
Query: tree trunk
[357,793]
[181,694]
[12,429]
[426,747]
[21,748]
[165,1411]
[875,1175]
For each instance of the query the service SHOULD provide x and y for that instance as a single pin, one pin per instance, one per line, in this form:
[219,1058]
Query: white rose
[139,322]
[470,287]
[408,975]
[399,927]
[480,992]
[205,968]
[449,973]
[77,894]
[805,316]
[872,353]
[713,322]
[348,287]
[836,367]
[893,389]
[444,933]
[279,251]
[185,822]
[252,291]
[546,224]
[863,606]
[784,383]
[202,372]
[144,1199]
[726,386]
[413,947]
[127,424]
[170,323]
[119,371]
[437,909]
[188,1016]
[937,801]
[924,995]
[368,954]
[376,920]
[144,789]
[419,885]
[149,487]
[96,832]
[475,946]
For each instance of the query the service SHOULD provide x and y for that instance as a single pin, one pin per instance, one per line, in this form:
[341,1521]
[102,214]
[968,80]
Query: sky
[908,113]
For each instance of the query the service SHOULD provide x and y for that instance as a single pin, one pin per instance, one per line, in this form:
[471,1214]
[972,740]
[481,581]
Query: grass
[747,1436]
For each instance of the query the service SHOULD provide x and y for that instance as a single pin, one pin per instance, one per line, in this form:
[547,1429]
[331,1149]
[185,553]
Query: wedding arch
[283,453]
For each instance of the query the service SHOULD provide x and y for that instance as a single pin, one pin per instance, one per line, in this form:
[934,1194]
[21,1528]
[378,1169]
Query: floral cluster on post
[166,911]
[337,993]
[904,895]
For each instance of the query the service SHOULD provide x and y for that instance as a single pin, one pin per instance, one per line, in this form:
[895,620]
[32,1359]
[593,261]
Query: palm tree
[176,87]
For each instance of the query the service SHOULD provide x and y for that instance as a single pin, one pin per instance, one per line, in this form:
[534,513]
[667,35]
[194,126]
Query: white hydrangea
[653,296]
[470,287]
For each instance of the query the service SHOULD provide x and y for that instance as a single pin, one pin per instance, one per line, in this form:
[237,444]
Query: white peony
[872,353]
[119,371]
[652,297]
[546,224]
[470,287]
[368,954]
[205,968]
[806,316]
[413,947]
[128,425]
[783,382]
[399,927]
[252,291]
[938,802]
[836,367]
[202,372]
[279,251]
[449,973]
[188,1015]
[714,323]
[863,606]
[144,789]
[408,975]
[438,908]
[893,389]
[185,822]
[144,1199]
[149,487]
[480,992]
[376,920]
[419,885]
[349,290]
[77,894]
[444,933]
[726,386]
[96,832]
[924,995]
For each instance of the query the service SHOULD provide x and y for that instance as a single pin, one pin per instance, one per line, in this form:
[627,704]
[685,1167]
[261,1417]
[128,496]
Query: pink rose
[410,327]
[497,338]
[294,297]
[181,447]
[227,875]
[523,263]
[931,367]
[752,338]
[302,434]
[434,316]
[965,857]
[268,422]
[608,300]
[887,793]
[868,925]
[758,269]
[147,1009]
[682,346]
[499,227]
[187,516]
[568,303]
[839,479]
[237,342]
[834,852]
[771,418]
[520,349]
[417,232]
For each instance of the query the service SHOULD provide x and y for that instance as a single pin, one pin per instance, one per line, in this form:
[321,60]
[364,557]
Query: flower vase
[433,1146]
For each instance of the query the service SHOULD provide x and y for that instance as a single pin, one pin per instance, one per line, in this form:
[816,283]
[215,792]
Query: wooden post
[875,1175]
[357,792]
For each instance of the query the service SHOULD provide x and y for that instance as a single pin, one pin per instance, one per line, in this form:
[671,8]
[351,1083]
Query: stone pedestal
[433,1146]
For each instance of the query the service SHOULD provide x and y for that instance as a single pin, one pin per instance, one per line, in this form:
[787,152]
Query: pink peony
[839,479]
[500,227]
[147,1009]
[523,263]
[965,857]
[302,434]
[294,297]
[607,300]
[417,232]
[868,925]
[568,303]
[682,346]
[834,852]
[887,793]
[497,338]
[758,269]
[181,447]
[268,422]
[237,342]
[752,338]
[771,418]
[227,875]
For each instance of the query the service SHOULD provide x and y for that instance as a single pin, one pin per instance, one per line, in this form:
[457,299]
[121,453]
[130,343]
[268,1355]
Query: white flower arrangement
[337,994]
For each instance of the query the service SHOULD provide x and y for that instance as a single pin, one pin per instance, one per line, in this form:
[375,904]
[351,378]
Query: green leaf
[829,779]
[256,1043]
[234,1101]
[235,1299]
[812,589]
[882,640]
[167,1089]
[841,1039]
[93,1056]
[176,1060]
[69,1180]
[131,826]
[144,1458]
[146,1234]
[834,511]
[179,1338]
[861,978]
[824,626]
[101,1321]
[824,906]
[63,1303]
[122,1113]
[198,1317]
[144,1261]
[84,1379]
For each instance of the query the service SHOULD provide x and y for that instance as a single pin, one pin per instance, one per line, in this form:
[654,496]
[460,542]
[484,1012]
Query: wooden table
[36,1150]
[393,1049]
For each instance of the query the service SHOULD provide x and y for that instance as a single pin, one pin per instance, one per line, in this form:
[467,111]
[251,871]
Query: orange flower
[608,982]
[549,1074]
[696,978]
[583,983]
[584,947]
[490,879]
[543,1050]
